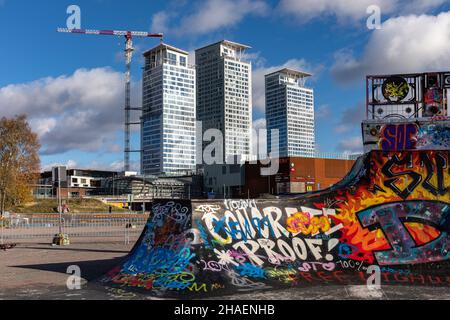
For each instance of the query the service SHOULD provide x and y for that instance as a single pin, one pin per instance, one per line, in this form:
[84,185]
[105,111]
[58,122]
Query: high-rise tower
[224,95]
[168,116]
[290,110]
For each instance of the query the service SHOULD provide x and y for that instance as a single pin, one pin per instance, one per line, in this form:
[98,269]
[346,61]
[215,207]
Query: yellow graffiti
[284,275]
[397,90]
[301,222]
[194,287]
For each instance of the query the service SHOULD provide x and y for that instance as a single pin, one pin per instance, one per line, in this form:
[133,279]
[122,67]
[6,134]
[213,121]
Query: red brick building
[295,175]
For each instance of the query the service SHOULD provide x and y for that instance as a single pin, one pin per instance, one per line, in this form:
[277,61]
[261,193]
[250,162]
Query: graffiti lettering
[399,137]
[301,222]
[395,176]
[441,164]
[404,249]
[308,266]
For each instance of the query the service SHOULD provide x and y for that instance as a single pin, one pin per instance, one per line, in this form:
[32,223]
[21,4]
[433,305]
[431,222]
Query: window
[172,58]
[183,61]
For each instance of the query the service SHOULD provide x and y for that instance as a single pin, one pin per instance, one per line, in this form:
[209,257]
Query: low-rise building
[294,175]
[72,183]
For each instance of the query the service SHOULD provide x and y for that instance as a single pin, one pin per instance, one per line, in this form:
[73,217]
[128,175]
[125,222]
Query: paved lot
[38,271]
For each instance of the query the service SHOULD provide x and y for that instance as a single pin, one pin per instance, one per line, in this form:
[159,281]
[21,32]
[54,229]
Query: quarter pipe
[391,213]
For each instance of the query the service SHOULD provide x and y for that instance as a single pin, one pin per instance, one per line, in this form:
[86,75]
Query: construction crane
[129,35]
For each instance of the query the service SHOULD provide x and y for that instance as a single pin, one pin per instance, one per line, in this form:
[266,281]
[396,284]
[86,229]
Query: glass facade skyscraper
[168,116]
[290,110]
[224,95]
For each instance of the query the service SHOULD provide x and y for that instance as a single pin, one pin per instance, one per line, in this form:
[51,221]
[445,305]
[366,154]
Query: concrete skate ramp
[392,213]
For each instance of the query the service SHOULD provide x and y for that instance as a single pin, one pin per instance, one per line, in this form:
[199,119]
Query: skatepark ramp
[389,217]
[393,212]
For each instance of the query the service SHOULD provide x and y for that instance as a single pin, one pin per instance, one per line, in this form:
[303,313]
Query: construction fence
[38,228]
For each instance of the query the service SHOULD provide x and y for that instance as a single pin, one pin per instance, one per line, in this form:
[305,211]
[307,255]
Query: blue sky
[71,85]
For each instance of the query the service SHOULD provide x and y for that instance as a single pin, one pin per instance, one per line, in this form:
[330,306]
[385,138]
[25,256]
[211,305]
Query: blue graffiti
[248,269]
[346,250]
[203,234]
[159,259]
[235,231]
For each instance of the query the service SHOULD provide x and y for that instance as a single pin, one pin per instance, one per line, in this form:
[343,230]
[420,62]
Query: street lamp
[60,239]
[59,200]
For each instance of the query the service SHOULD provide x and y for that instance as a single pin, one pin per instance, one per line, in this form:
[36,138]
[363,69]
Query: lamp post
[114,194]
[59,201]
[143,194]
[60,239]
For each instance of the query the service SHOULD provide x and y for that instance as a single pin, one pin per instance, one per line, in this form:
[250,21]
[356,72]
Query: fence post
[127,236]
[2,220]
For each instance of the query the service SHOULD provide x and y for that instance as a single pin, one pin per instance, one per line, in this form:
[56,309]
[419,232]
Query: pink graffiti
[308,266]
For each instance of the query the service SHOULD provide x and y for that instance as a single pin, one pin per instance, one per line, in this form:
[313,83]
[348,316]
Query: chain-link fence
[79,227]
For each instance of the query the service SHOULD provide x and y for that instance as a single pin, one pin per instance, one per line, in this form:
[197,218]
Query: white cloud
[350,145]
[323,112]
[43,126]
[70,164]
[93,165]
[82,111]
[115,148]
[418,6]
[208,16]
[351,10]
[160,22]
[118,166]
[259,124]
[309,9]
[404,44]
[351,118]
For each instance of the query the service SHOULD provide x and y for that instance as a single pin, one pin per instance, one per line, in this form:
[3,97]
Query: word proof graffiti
[392,214]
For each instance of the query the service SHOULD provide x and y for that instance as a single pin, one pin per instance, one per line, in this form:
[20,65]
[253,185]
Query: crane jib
[112,32]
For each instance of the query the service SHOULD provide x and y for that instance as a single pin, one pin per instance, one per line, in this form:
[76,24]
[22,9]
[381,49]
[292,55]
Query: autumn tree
[19,161]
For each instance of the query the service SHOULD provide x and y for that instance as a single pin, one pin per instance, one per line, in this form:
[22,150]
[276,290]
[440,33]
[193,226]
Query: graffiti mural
[417,135]
[394,213]
[398,137]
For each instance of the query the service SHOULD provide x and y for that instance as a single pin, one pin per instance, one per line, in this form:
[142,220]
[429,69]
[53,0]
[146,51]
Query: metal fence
[95,227]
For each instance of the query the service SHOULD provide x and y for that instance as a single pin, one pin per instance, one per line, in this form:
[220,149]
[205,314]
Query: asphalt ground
[39,271]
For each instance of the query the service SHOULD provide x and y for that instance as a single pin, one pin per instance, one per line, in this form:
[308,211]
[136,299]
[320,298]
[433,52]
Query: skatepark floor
[39,271]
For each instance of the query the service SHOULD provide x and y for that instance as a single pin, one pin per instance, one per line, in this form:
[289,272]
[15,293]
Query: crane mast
[129,35]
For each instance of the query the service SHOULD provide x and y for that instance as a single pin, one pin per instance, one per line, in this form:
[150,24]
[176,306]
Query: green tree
[19,161]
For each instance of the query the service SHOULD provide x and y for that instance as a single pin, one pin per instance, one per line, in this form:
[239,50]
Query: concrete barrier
[391,215]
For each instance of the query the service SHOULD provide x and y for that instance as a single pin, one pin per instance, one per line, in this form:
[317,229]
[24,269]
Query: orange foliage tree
[19,161]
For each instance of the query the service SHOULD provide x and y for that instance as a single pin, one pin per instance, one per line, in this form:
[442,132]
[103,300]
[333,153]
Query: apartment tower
[290,110]
[224,96]
[169,115]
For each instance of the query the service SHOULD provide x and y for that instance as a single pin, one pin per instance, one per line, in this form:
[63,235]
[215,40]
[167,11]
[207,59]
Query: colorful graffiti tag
[395,213]
[417,135]
[399,137]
